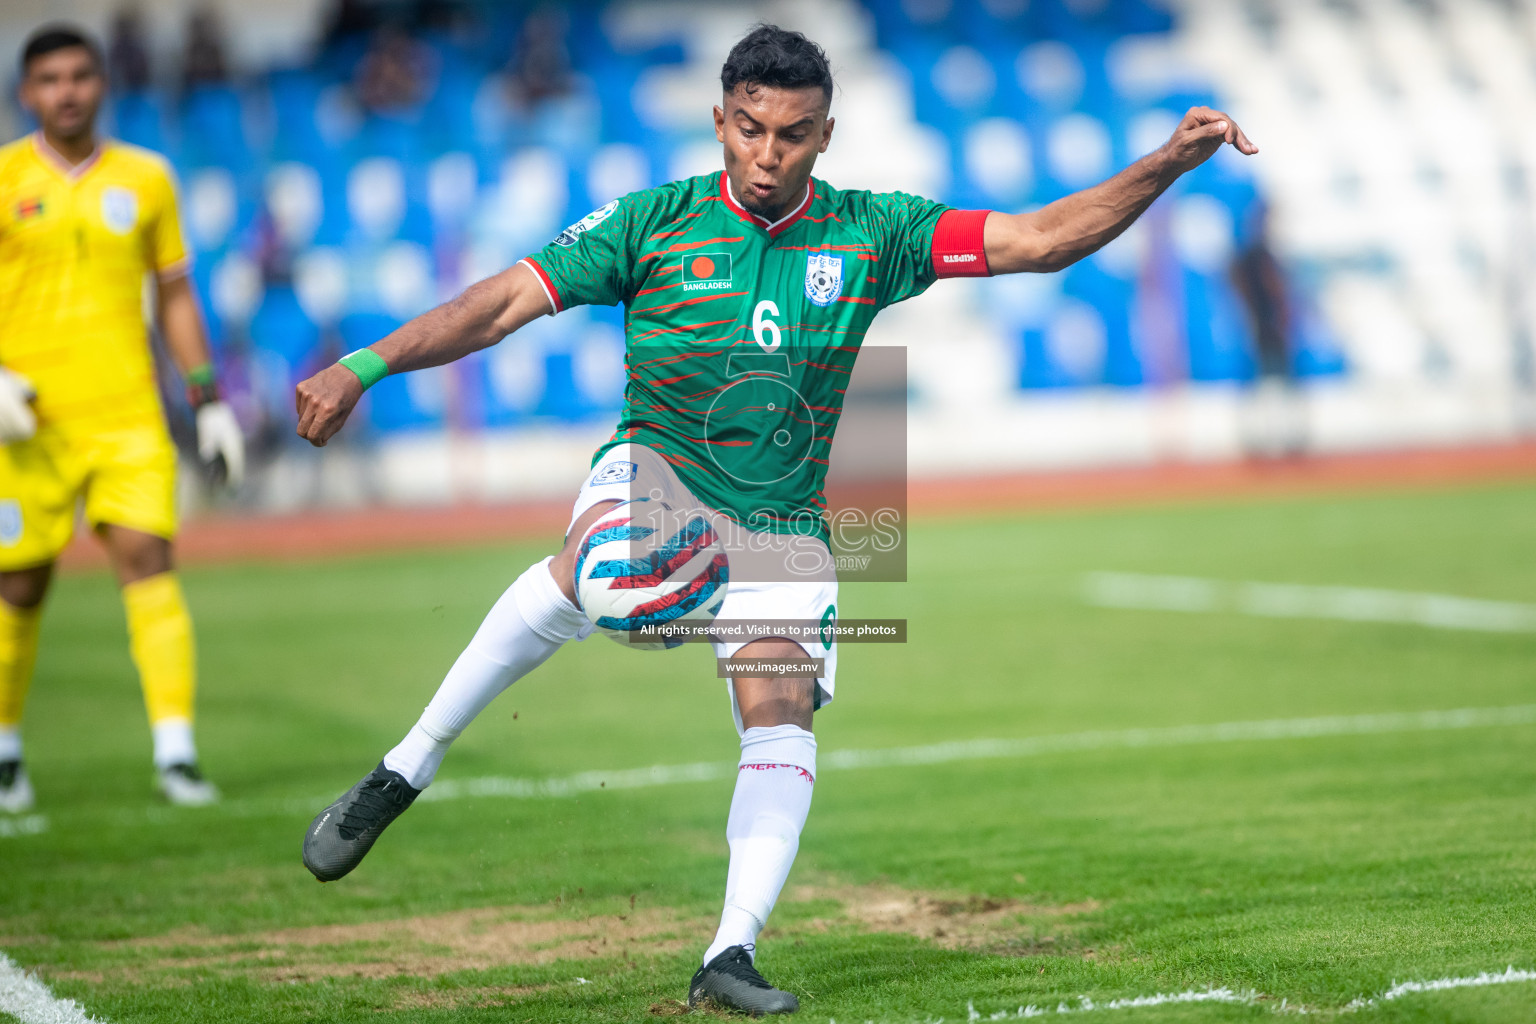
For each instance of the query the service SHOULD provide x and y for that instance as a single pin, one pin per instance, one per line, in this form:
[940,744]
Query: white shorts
[629,471]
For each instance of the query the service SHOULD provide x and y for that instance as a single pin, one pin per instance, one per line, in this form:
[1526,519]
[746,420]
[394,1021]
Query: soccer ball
[644,563]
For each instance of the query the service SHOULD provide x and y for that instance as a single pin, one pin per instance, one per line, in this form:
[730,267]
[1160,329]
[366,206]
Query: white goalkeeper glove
[17,420]
[219,437]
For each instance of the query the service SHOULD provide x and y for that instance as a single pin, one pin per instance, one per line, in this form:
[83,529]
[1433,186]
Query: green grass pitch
[1311,871]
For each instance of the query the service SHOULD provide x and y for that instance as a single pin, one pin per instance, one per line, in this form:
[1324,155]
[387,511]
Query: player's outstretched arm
[479,317]
[1078,225]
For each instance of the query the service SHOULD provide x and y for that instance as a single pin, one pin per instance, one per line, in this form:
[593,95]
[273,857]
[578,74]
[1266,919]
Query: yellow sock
[160,640]
[18,651]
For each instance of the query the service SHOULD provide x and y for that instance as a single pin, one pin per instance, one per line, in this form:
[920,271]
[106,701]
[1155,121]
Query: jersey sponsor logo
[10,522]
[119,209]
[707,272]
[29,208]
[964,257]
[823,278]
[614,473]
[569,236]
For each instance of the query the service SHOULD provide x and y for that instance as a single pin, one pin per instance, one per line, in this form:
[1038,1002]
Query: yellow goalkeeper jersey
[76,244]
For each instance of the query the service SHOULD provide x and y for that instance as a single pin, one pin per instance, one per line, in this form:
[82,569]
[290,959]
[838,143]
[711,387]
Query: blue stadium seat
[449,123]
[139,118]
[561,401]
[1220,346]
[1114,298]
[281,327]
[294,94]
[213,129]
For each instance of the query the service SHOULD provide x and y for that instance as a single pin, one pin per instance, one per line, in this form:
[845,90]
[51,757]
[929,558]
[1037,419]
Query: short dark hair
[57,36]
[778,58]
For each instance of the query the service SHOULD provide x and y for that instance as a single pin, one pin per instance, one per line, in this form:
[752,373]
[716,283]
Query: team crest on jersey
[823,278]
[29,208]
[587,223]
[614,473]
[10,522]
[119,209]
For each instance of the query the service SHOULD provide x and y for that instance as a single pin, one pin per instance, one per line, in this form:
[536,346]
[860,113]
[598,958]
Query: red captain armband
[958,248]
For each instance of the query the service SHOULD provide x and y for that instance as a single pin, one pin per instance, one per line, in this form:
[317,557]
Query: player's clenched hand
[1202,132]
[17,420]
[324,402]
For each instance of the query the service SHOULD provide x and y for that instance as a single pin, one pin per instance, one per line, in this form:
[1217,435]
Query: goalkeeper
[83,221]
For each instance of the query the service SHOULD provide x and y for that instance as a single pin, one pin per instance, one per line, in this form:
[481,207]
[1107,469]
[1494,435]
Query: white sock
[173,742]
[527,624]
[10,743]
[773,796]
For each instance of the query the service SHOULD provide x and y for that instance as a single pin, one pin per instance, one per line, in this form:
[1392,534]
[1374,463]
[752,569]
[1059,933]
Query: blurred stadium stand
[347,176]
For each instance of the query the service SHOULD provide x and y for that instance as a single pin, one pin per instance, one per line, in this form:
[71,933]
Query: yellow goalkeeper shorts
[125,477]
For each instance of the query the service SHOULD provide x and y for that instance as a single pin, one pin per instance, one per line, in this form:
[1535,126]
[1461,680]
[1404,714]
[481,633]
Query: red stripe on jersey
[680,303]
[677,247]
[659,331]
[958,246]
[660,381]
[546,281]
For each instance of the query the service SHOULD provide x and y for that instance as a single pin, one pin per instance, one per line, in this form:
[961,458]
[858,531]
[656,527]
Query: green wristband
[201,376]
[367,364]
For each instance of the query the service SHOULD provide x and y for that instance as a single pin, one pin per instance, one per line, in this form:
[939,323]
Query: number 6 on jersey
[762,327]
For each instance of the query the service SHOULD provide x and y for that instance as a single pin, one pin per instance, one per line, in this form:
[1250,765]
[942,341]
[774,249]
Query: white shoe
[184,786]
[15,788]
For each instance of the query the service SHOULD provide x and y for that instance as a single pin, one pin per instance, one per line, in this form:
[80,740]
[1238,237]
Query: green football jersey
[740,335]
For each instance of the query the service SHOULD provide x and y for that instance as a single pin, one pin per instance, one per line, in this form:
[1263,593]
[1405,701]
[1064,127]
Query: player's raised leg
[21,600]
[529,623]
[774,782]
[161,642]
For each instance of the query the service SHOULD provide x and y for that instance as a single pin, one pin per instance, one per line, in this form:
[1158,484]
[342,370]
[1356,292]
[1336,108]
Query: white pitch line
[29,1000]
[1297,601]
[1246,997]
[888,757]
[1507,976]
[1083,1004]
[975,750]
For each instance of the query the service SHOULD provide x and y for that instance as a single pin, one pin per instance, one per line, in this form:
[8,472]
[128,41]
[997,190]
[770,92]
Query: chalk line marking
[26,825]
[974,750]
[1082,1004]
[1243,997]
[597,780]
[1298,601]
[1508,976]
[29,1000]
